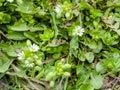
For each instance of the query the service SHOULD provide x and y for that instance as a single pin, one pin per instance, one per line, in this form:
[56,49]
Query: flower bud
[30,59]
[66,66]
[19,1]
[67,15]
[66,74]
[50,75]
[37,68]
[39,62]
[28,43]
[35,57]
[52,83]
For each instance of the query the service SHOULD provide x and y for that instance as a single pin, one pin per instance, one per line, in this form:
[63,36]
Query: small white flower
[67,15]
[21,55]
[31,64]
[10,0]
[78,31]
[34,48]
[109,89]
[58,9]
[28,64]
[35,56]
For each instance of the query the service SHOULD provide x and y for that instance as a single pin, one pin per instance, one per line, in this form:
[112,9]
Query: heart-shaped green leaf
[19,27]
[97,81]
[86,87]
[89,56]
[15,36]
[5,62]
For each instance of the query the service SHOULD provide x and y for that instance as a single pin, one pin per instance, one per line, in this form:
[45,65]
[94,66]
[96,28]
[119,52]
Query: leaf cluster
[65,59]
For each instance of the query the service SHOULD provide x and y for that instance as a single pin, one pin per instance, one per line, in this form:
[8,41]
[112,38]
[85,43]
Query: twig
[114,5]
[47,86]
[108,84]
[75,7]
[117,80]
[32,79]
[51,60]
[34,86]
[2,34]
[25,87]
[115,83]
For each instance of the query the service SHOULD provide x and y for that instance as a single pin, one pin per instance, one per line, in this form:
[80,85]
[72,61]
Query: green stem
[66,82]
[112,6]
[3,34]
[80,18]
[54,22]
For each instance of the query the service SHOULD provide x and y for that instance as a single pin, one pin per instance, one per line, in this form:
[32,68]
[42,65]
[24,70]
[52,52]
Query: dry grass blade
[33,85]
[47,86]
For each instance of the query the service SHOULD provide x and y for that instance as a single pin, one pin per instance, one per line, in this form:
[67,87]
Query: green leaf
[2,75]
[15,36]
[109,63]
[19,27]
[5,62]
[36,28]
[27,8]
[86,87]
[18,71]
[31,36]
[74,46]
[81,55]
[109,39]
[95,13]
[79,68]
[100,68]
[3,46]
[4,18]
[96,81]
[12,50]
[90,43]
[84,5]
[47,35]
[21,73]
[99,47]
[56,55]
[83,76]
[89,56]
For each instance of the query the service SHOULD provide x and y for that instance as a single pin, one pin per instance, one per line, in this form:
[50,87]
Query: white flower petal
[34,48]
[78,31]
[109,89]
[10,0]
[67,14]
[28,64]
[31,65]
[58,8]
[21,55]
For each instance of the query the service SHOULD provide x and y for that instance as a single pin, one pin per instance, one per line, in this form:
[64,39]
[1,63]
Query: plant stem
[66,82]
[54,22]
